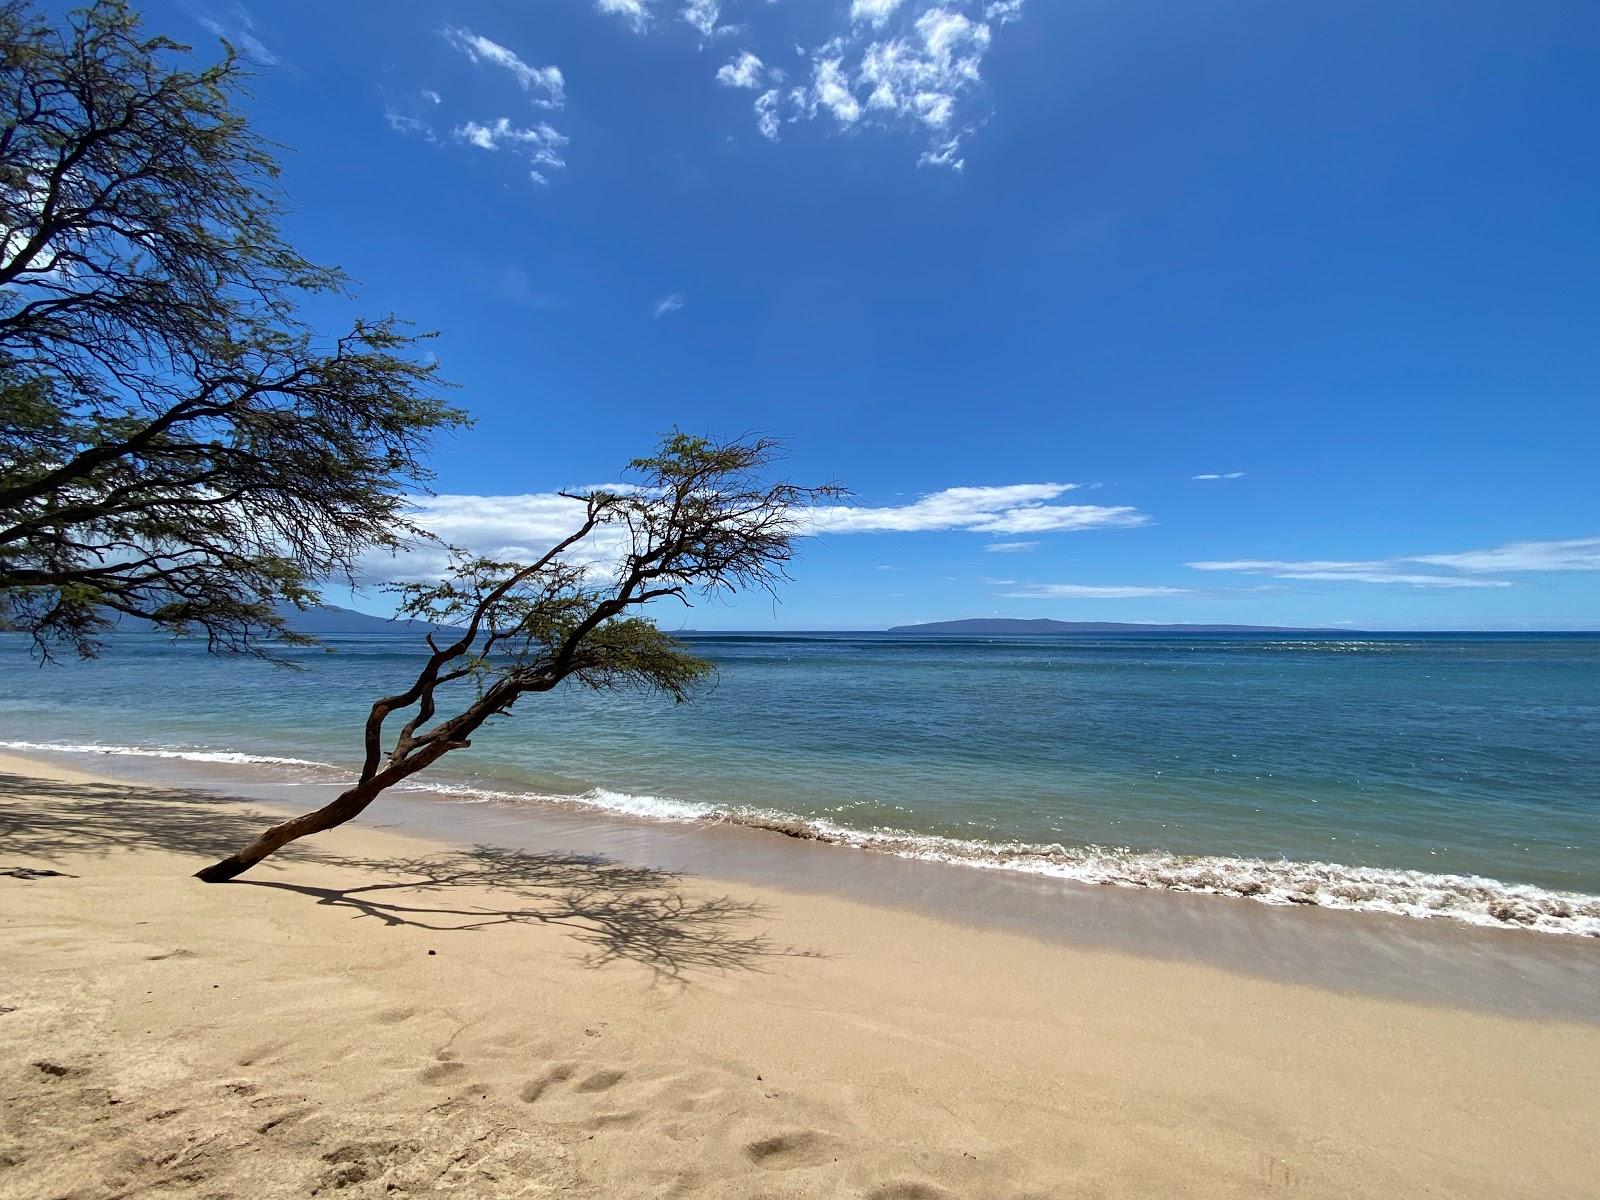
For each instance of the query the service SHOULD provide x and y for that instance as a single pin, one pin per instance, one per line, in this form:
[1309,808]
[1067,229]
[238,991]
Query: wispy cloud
[539,144]
[873,12]
[1577,554]
[1089,591]
[1470,566]
[744,71]
[893,66]
[635,14]
[767,119]
[1228,475]
[514,528]
[670,303]
[511,284]
[546,85]
[703,16]
[1346,571]
[236,27]
[1013,508]
[1010,547]
[521,527]
[411,126]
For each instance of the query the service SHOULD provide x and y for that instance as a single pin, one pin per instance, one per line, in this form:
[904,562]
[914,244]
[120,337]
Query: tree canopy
[176,442]
[699,518]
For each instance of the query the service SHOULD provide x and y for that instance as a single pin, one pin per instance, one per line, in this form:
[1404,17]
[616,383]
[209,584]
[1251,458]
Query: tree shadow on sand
[620,912]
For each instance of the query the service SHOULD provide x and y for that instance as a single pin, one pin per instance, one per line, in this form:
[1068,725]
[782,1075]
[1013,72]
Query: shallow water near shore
[1421,775]
[1373,954]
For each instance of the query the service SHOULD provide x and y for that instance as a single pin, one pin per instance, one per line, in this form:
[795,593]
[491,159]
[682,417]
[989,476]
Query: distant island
[320,620]
[329,618]
[1043,625]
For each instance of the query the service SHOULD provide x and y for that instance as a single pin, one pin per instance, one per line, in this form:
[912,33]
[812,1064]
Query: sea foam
[1471,899]
[188,755]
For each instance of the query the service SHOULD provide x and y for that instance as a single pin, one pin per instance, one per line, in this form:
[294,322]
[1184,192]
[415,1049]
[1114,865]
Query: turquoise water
[1427,774]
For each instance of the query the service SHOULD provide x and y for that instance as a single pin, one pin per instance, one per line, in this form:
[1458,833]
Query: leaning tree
[701,518]
[176,443]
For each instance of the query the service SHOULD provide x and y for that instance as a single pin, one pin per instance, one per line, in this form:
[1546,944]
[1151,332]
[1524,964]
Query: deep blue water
[1104,756]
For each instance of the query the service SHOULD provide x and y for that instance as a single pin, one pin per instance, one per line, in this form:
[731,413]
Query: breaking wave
[204,756]
[1471,899]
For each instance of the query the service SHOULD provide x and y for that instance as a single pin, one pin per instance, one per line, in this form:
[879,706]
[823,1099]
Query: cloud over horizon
[1013,508]
[1575,554]
[521,527]
[1087,591]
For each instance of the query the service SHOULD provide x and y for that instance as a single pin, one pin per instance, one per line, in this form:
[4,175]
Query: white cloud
[745,71]
[431,96]
[522,527]
[546,84]
[767,114]
[1014,508]
[539,144]
[922,74]
[513,528]
[702,15]
[1089,591]
[1010,547]
[945,154]
[410,126]
[1214,475]
[1345,571]
[1578,554]
[832,90]
[874,12]
[669,303]
[239,31]
[920,79]
[635,14]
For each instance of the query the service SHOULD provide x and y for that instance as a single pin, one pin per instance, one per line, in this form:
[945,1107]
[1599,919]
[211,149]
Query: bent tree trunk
[349,804]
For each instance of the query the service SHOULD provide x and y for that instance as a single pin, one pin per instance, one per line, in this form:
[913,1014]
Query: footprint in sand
[443,1072]
[614,1120]
[908,1191]
[534,1088]
[801,1148]
[600,1081]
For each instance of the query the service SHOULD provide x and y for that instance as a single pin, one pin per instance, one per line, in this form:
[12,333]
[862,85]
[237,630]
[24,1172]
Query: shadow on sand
[619,912]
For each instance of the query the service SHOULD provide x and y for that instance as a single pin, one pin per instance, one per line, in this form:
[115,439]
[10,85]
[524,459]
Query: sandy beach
[371,1014]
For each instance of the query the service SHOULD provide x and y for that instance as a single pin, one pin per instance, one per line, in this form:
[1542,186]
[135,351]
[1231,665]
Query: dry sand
[374,1015]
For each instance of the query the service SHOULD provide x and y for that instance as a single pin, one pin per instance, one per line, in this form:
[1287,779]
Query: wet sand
[589,1023]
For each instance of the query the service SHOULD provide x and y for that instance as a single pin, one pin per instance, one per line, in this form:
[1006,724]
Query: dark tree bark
[702,520]
[350,804]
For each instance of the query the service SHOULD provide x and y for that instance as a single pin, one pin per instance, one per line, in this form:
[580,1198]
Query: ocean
[1430,775]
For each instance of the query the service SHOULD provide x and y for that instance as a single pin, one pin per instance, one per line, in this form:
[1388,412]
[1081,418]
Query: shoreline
[1473,900]
[1502,969]
[379,1014]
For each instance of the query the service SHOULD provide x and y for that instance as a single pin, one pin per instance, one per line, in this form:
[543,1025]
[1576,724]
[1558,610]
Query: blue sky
[1306,294]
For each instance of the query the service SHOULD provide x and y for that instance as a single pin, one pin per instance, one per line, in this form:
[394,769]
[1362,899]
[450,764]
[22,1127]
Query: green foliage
[699,518]
[175,443]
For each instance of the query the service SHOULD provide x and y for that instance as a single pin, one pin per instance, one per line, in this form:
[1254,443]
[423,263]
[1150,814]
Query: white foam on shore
[652,808]
[1471,899]
[204,756]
